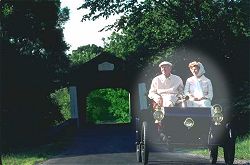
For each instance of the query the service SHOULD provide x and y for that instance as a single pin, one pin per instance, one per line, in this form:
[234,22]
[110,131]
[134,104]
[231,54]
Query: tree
[33,59]
[151,30]
[84,54]
[108,105]
[195,15]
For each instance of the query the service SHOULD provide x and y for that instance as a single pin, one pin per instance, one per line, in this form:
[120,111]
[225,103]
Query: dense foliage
[61,98]
[33,63]
[180,31]
[108,105]
[84,53]
[149,28]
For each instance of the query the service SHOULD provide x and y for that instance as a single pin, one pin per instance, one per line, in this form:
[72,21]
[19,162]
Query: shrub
[242,109]
[108,105]
[61,98]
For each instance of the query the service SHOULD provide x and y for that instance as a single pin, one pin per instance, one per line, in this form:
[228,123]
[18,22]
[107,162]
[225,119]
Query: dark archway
[104,71]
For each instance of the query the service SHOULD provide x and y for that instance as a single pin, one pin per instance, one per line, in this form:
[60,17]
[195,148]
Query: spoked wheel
[138,152]
[229,148]
[213,151]
[144,143]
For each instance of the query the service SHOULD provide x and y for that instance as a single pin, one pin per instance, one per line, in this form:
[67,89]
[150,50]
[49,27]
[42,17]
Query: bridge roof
[104,70]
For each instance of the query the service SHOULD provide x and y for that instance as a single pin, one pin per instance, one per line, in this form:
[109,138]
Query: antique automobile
[181,126]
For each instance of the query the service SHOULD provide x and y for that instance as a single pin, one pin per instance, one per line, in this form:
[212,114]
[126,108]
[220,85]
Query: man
[166,87]
[198,87]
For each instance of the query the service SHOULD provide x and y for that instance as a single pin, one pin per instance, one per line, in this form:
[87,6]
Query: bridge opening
[108,106]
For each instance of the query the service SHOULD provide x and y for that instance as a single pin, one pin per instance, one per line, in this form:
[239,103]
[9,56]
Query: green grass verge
[242,149]
[33,156]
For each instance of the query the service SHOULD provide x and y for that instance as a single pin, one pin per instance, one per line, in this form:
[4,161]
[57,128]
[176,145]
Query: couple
[166,87]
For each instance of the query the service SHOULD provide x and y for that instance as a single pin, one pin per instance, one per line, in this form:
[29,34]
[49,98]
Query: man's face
[166,70]
[195,69]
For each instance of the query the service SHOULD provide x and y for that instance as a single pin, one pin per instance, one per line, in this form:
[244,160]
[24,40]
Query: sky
[77,33]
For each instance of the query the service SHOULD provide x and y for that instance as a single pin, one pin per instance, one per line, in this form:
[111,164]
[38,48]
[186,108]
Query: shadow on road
[102,139]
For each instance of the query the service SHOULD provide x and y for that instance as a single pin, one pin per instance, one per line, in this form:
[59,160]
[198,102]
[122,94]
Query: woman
[198,87]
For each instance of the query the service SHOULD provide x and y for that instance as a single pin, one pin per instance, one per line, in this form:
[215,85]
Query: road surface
[114,145]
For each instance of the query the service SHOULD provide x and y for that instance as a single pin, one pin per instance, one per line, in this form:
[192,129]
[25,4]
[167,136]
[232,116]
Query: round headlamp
[217,118]
[189,122]
[216,108]
[158,115]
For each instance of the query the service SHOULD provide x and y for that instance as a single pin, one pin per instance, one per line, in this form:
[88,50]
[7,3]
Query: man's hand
[199,99]
[159,101]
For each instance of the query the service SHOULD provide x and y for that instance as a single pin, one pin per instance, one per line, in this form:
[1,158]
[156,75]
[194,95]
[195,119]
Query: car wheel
[213,151]
[229,148]
[138,152]
[144,143]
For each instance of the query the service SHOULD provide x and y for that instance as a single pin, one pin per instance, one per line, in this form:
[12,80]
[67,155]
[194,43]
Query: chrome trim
[158,115]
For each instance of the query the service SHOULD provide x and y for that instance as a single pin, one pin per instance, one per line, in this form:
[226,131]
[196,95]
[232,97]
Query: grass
[22,158]
[242,149]
[33,156]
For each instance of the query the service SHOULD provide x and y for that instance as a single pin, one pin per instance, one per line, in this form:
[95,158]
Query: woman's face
[195,69]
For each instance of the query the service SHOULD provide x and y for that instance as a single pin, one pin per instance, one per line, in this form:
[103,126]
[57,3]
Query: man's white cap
[165,63]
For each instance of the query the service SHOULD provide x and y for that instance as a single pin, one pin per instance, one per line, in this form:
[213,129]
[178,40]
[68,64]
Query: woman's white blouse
[199,87]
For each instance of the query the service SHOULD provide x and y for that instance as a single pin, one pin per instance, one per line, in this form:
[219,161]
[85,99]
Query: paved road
[114,145]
